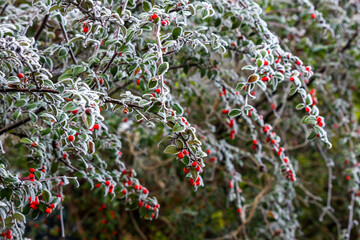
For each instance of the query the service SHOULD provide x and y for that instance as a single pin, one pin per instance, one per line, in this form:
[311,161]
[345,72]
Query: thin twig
[67,41]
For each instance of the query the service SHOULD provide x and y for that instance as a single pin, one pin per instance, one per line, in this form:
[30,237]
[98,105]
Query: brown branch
[19,123]
[43,90]
[41,28]
[67,41]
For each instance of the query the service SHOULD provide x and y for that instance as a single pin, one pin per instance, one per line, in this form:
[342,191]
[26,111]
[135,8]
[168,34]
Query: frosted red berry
[71,138]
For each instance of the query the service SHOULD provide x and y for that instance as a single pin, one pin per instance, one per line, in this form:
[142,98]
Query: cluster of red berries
[314,98]
[20,75]
[182,154]
[35,203]
[320,121]
[139,188]
[211,159]
[7,234]
[223,92]
[165,23]
[255,142]
[108,184]
[197,166]
[197,182]
[96,127]
[32,175]
[271,137]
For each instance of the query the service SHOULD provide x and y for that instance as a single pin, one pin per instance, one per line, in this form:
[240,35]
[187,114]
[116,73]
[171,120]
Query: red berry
[107,183]
[101,81]
[298,62]
[148,207]
[255,141]
[141,204]
[85,29]
[313,16]
[292,79]
[197,168]
[212,159]
[321,124]
[124,191]
[52,206]
[348,177]
[307,109]
[136,187]
[65,155]
[318,119]
[208,151]
[31,170]
[138,82]
[186,170]
[266,62]
[145,191]
[158,90]
[88,111]
[194,164]
[31,175]
[225,111]
[239,210]
[163,23]
[264,79]
[180,155]
[71,138]
[98,185]
[96,126]
[48,210]
[154,16]
[20,75]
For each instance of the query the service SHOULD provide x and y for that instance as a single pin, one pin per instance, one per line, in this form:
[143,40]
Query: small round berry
[145,191]
[348,177]
[264,79]
[107,183]
[86,29]
[101,81]
[148,207]
[96,126]
[255,141]
[98,185]
[48,210]
[141,204]
[307,109]
[138,82]
[154,16]
[20,75]
[75,111]
[31,176]
[180,155]
[32,170]
[239,210]
[292,79]
[194,164]
[266,62]
[65,155]
[158,90]
[88,111]
[52,206]
[123,191]
[225,111]
[197,168]
[313,16]
[71,138]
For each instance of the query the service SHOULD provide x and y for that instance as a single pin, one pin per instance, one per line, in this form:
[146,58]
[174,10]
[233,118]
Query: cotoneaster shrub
[243,98]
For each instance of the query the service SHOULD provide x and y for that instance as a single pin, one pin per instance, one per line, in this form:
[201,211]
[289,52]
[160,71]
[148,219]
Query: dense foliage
[231,119]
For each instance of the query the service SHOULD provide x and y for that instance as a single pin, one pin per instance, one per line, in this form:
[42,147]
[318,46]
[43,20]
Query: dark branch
[41,28]
[19,123]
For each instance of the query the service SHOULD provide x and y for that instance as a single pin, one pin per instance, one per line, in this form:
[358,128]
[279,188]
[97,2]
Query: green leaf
[146,6]
[163,68]
[26,140]
[178,128]
[300,106]
[152,83]
[46,195]
[70,106]
[262,85]
[240,86]
[6,193]
[176,32]
[20,217]
[312,135]
[171,149]
[77,70]
[235,112]
[130,34]
[20,103]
